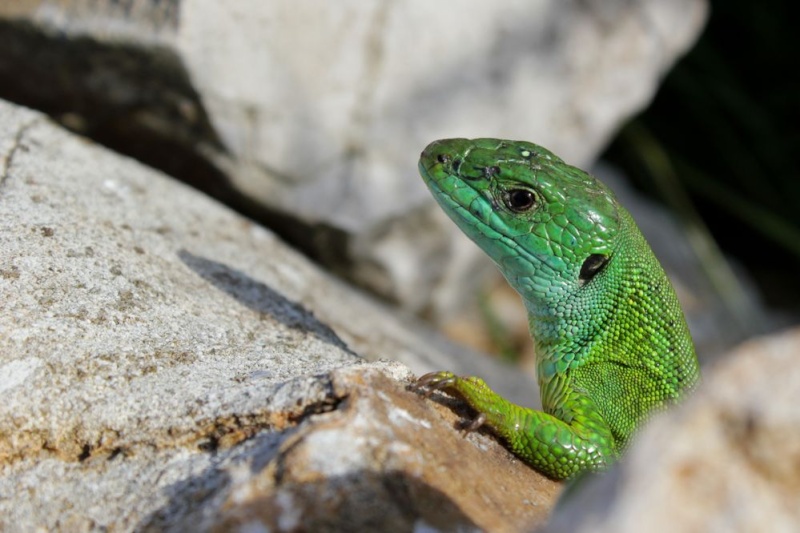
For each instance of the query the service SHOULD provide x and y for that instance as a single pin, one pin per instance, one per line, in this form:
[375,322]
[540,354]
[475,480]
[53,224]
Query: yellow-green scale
[642,357]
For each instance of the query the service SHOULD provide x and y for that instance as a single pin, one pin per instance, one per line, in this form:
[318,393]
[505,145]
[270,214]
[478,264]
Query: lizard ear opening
[592,266]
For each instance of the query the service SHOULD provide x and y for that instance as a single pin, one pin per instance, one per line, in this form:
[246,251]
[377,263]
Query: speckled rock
[161,358]
[389,465]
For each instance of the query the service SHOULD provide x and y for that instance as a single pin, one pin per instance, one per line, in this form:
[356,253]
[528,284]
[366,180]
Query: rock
[726,460]
[246,268]
[390,466]
[108,287]
[317,112]
[168,364]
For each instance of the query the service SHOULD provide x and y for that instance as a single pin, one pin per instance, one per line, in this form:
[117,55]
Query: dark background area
[721,141]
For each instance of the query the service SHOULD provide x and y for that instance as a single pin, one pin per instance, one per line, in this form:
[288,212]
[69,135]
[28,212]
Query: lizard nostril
[443,158]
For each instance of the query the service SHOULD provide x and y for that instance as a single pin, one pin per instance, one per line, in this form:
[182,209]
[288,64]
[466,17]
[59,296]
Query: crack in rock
[8,160]
[290,404]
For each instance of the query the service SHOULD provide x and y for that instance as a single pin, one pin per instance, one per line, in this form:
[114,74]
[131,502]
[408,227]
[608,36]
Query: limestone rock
[164,360]
[317,111]
[727,460]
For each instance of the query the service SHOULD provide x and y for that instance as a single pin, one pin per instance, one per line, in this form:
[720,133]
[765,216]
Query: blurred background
[309,117]
[718,147]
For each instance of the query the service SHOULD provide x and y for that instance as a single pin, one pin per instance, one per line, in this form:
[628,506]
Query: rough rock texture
[157,353]
[376,459]
[317,110]
[727,460]
[127,238]
[385,446]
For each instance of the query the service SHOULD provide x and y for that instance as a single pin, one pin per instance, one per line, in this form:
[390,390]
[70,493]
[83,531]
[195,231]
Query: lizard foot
[447,381]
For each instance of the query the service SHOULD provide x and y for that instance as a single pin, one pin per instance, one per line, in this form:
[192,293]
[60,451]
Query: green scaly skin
[612,344]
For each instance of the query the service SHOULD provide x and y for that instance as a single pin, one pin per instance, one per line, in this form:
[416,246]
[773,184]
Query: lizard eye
[593,264]
[520,200]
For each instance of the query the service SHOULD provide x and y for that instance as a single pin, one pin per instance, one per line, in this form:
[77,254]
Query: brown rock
[387,460]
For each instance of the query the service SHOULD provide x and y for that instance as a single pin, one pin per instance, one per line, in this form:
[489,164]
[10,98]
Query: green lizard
[611,342]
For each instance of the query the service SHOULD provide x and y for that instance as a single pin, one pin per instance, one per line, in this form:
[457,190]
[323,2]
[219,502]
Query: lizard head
[549,227]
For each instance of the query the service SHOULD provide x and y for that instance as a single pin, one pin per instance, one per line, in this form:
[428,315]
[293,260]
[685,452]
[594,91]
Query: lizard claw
[476,423]
[444,380]
[436,381]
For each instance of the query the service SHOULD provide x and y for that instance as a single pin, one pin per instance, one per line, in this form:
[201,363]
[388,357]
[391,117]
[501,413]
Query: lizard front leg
[557,448]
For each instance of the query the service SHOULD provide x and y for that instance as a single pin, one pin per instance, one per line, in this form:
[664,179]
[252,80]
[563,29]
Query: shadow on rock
[260,298]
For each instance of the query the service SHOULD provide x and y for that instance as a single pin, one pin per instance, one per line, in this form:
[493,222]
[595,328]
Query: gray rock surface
[161,356]
[727,460]
[316,111]
[237,262]
[108,287]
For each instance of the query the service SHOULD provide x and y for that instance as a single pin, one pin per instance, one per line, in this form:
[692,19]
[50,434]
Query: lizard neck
[628,315]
